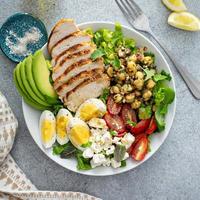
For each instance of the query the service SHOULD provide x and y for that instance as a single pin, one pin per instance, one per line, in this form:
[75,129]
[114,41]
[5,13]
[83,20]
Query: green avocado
[41,75]
[28,71]
[28,87]
[21,91]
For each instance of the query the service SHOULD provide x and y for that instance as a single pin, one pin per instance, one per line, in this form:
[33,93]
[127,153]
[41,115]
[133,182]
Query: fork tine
[134,6]
[124,11]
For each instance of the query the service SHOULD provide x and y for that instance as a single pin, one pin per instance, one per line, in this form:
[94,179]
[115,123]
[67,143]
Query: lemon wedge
[184,20]
[175,5]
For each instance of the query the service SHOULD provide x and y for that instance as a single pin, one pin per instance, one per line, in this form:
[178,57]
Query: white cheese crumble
[103,145]
[19,47]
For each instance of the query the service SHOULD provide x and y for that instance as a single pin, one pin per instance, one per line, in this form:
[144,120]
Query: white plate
[32,116]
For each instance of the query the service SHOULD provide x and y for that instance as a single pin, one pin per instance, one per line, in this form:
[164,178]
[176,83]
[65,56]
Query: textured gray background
[174,171]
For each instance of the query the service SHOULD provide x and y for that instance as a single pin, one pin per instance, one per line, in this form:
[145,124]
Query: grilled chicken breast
[93,87]
[63,28]
[76,76]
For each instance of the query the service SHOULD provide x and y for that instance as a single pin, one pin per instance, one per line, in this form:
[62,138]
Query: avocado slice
[27,86]
[26,98]
[28,71]
[41,75]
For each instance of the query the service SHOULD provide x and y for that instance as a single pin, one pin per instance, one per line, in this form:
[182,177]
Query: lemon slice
[175,5]
[184,20]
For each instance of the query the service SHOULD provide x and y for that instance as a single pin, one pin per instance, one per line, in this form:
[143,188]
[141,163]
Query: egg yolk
[79,135]
[47,130]
[88,112]
[61,124]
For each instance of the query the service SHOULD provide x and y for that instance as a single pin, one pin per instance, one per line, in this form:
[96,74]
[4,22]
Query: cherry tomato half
[127,113]
[140,149]
[115,123]
[140,127]
[152,126]
[113,108]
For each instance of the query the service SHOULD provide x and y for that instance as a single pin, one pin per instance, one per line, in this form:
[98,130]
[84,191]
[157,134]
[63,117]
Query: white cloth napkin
[14,185]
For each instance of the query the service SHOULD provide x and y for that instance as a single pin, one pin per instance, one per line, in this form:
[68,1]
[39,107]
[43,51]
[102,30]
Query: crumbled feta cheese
[115,164]
[96,147]
[116,140]
[126,156]
[110,150]
[97,123]
[97,160]
[88,153]
[107,163]
[128,140]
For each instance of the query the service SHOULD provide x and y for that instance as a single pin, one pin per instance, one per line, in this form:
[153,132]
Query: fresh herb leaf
[113,133]
[97,54]
[149,73]
[162,76]
[68,151]
[119,152]
[88,144]
[56,108]
[123,163]
[148,53]
[129,43]
[82,163]
[89,31]
[116,63]
[58,149]
[104,95]
[145,112]
[130,122]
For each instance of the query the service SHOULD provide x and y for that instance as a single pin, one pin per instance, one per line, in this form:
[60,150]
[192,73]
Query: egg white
[47,115]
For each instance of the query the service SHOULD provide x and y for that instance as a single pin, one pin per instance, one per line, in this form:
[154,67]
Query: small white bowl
[32,116]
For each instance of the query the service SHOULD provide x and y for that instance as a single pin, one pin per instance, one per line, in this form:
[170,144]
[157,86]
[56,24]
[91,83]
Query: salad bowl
[32,116]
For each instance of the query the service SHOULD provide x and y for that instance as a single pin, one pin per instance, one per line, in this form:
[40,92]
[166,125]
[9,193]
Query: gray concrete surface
[174,171]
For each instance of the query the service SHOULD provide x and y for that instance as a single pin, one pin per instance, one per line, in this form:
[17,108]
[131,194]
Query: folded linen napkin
[14,185]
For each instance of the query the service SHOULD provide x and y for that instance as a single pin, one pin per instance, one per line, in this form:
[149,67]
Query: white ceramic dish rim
[172,114]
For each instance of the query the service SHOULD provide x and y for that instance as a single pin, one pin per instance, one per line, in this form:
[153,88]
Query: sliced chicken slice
[63,28]
[77,68]
[74,49]
[68,42]
[69,60]
[89,89]
[75,81]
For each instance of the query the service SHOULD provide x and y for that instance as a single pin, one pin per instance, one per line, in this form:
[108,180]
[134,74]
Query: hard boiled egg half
[91,108]
[47,128]
[79,132]
[62,119]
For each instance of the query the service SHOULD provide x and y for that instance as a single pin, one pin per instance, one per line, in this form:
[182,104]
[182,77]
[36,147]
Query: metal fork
[139,21]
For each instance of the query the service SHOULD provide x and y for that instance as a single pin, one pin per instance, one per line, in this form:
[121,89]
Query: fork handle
[192,83]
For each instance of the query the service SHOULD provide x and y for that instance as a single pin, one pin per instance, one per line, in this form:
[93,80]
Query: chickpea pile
[128,82]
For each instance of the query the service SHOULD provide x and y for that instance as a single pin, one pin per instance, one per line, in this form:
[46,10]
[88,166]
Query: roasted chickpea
[139,75]
[115,89]
[118,98]
[150,84]
[129,98]
[138,83]
[126,88]
[147,95]
[121,76]
[132,58]
[148,60]
[137,93]
[131,67]
[110,71]
[136,104]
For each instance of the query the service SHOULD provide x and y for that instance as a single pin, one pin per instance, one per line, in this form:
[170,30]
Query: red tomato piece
[115,123]
[140,149]
[127,113]
[113,108]
[152,126]
[140,127]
